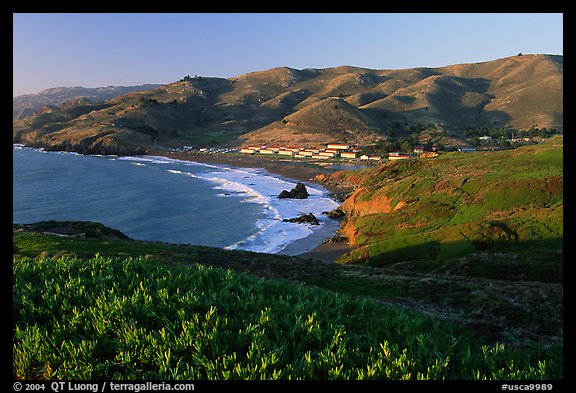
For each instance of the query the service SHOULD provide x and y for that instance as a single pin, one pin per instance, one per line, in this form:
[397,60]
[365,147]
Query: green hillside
[108,307]
[490,214]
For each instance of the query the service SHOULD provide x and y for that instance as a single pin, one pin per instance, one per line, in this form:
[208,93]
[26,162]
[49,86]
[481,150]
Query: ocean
[174,201]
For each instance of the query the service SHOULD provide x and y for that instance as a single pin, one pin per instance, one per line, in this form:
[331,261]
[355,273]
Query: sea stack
[298,192]
[307,218]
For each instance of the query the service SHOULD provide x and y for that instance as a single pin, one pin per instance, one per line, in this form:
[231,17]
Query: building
[286,152]
[466,149]
[328,154]
[306,153]
[267,151]
[247,151]
[338,146]
[370,158]
[348,155]
[398,157]
[419,149]
[429,154]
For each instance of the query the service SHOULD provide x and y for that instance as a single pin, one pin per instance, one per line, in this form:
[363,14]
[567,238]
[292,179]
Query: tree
[407,146]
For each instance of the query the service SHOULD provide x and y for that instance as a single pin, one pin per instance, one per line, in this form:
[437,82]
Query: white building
[398,157]
[349,155]
[338,146]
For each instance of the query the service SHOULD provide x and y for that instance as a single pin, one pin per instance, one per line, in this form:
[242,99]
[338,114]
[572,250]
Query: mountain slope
[27,104]
[311,107]
[331,119]
[492,213]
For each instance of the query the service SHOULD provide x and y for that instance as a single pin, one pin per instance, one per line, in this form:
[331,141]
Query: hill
[491,214]
[330,119]
[310,107]
[116,308]
[27,104]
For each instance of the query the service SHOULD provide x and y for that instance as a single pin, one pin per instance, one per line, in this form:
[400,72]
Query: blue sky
[94,50]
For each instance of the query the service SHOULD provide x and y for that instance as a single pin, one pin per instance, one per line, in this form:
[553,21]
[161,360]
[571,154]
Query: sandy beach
[303,171]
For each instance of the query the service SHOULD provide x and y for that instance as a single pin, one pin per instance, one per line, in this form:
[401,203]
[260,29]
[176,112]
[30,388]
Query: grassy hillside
[512,320]
[490,214]
[331,119]
[124,318]
[311,106]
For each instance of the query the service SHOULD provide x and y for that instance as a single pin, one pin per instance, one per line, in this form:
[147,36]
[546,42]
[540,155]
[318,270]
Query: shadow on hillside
[533,260]
[456,101]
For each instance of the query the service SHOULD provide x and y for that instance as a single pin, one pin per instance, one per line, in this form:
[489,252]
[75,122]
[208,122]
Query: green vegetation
[401,144]
[463,282]
[508,132]
[457,205]
[125,318]
[518,313]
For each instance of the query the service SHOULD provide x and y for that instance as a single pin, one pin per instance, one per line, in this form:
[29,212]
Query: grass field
[113,308]
[125,318]
[458,204]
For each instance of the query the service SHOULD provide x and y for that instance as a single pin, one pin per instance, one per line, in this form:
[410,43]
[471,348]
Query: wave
[259,186]
[250,185]
[146,159]
[256,185]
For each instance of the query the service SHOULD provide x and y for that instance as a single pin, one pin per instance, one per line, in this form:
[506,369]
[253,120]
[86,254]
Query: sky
[123,49]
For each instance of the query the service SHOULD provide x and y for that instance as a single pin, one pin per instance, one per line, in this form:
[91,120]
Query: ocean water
[162,199]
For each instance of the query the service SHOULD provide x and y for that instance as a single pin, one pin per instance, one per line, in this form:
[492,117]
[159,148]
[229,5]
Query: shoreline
[312,245]
[302,171]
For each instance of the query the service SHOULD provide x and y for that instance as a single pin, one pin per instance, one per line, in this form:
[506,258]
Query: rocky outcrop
[336,239]
[87,229]
[99,144]
[298,192]
[335,214]
[358,204]
[307,218]
[335,179]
